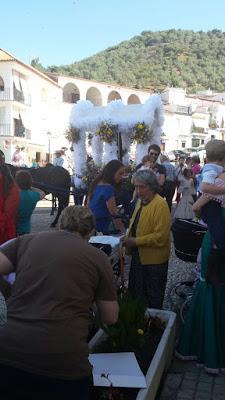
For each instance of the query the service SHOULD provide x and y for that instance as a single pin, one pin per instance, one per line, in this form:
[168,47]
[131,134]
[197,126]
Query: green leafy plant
[90,171]
[128,333]
[73,135]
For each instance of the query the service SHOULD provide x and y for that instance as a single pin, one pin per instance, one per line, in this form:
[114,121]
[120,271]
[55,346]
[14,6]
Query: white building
[192,120]
[35,107]
[30,105]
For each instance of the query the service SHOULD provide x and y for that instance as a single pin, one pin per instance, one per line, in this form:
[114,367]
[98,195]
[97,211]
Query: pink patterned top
[218,197]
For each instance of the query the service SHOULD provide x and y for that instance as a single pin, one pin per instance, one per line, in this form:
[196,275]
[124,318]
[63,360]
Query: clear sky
[63,31]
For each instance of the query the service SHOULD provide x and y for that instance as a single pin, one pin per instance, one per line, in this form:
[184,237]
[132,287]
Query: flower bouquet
[142,133]
[107,132]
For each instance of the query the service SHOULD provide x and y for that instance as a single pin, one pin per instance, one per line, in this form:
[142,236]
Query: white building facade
[29,108]
[35,110]
[192,120]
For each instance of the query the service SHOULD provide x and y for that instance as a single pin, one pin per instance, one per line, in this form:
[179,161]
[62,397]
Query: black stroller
[187,236]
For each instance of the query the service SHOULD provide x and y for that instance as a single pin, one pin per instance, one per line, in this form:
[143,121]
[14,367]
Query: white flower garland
[141,151]
[126,143]
[97,149]
[79,160]
[110,152]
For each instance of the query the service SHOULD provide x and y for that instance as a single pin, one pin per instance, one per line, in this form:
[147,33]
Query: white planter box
[162,356]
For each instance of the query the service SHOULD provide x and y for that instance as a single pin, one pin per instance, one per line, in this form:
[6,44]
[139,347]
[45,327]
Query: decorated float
[114,131]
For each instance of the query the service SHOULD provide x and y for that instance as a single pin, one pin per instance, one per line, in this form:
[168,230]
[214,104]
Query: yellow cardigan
[153,231]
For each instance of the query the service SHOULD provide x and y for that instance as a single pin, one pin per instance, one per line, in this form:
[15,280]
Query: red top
[8,212]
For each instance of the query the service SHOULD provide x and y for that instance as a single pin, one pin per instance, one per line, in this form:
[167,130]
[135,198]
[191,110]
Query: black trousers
[21,385]
[168,192]
[148,282]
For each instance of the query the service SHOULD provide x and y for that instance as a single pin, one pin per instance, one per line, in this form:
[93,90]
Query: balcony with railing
[19,131]
[184,110]
[5,130]
[18,95]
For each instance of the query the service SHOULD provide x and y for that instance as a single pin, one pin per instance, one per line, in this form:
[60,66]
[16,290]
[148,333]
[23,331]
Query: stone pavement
[185,381]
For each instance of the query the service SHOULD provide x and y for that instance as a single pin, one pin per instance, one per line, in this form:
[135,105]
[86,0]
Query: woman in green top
[29,196]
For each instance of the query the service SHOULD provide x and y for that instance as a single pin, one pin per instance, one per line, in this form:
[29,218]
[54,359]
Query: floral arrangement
[141,133]
[128,333]
[107,132]
[90,172]
[73,135]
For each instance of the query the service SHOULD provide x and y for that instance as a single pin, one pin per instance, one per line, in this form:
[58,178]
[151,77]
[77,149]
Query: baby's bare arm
[202,201]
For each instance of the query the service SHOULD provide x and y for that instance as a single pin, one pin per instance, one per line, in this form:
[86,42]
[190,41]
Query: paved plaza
[184,381]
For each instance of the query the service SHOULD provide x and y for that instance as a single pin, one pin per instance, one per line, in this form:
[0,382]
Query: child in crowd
[29,196]
[196,167]
[180,177]
[184,207]
[188,162]
[213,196]
[146,162]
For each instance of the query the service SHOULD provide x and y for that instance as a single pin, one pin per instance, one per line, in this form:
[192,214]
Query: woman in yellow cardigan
[148,241]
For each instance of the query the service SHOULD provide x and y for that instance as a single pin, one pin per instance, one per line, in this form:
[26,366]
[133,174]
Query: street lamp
[49,146]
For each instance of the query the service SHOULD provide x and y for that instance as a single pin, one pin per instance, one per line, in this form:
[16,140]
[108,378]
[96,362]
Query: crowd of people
[60,277]
[17,201]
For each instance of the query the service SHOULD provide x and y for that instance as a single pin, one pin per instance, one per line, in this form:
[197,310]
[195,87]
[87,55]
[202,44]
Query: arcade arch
[2,86]
[114,95]
[71,93]
[133,99]
[94,95]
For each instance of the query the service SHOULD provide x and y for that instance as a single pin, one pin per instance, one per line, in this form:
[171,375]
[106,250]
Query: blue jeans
[21,385]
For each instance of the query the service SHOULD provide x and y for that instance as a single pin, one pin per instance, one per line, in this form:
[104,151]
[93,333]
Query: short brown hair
[146,159]
[215,150]
[23,180]
[77,219]
[154,147]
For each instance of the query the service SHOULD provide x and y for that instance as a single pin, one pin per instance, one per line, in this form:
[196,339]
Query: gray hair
[77,219]
[149,178]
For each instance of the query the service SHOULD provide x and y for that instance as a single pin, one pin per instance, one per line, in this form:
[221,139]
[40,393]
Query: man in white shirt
[58,160]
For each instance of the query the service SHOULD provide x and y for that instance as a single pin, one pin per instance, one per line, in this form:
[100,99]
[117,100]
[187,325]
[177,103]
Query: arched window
[2,86]
[94,96]
[114,95]
[133,99]
[71,93]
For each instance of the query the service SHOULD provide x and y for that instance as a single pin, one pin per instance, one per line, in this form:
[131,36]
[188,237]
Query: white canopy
[88,118]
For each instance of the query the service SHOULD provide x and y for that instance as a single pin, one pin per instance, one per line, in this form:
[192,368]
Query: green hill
[153,60]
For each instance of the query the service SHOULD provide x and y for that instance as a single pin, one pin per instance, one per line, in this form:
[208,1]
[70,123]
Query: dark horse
[50,179]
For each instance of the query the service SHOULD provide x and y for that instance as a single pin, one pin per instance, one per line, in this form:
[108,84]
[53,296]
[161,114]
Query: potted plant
[134,331]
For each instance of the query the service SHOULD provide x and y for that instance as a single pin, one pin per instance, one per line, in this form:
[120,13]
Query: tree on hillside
[155,59]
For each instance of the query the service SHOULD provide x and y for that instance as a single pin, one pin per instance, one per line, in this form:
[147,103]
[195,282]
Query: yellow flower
[140,126]
[140,332]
